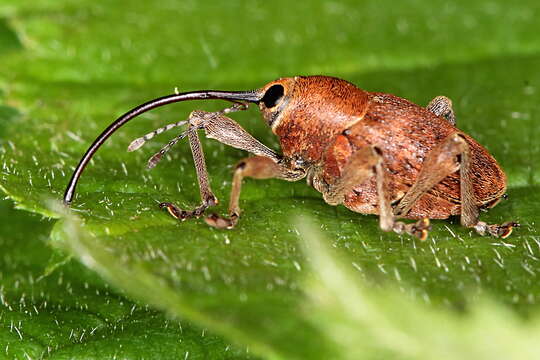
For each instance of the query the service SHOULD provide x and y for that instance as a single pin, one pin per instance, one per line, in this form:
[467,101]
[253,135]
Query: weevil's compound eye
[273,96]
[273,103]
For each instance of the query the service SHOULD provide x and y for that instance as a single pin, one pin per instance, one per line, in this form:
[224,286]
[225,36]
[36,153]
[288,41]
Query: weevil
[373,152]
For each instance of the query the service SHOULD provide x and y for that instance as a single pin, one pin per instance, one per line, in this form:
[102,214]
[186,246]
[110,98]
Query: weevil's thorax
[306,113]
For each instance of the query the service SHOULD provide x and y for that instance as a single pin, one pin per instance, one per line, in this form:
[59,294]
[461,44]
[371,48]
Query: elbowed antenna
[250,96]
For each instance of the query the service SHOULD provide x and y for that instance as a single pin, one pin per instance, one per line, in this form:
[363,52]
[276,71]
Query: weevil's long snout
[253,96]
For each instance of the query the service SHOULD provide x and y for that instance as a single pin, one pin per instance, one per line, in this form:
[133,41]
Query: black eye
[272,96]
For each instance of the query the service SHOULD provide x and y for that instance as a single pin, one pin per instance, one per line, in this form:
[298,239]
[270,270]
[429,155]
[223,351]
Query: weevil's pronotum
[375,153]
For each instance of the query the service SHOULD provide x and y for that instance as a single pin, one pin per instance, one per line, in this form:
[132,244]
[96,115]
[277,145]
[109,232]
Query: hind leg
[451,155]
[442,106]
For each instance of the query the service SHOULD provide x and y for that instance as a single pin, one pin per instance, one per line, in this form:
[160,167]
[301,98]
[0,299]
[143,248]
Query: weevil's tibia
[207,196]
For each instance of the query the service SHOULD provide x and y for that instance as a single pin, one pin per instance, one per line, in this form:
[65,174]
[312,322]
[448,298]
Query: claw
[182,214]
[174,211]
[421,229]
[503,231]
[220,222]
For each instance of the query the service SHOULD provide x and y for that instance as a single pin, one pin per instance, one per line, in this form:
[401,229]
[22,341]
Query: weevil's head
[307,111]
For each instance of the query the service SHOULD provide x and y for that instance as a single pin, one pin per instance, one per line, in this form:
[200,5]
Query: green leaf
[9,40]
[72,314]
[369,323]
[85,63]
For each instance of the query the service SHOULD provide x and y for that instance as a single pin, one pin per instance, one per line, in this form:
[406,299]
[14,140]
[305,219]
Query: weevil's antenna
[137,143]
[253,96]
[152,162]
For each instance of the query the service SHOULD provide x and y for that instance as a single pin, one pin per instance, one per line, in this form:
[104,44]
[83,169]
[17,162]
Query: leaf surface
[74,67]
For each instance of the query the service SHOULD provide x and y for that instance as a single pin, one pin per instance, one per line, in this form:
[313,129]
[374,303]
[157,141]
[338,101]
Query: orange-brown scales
[324,120]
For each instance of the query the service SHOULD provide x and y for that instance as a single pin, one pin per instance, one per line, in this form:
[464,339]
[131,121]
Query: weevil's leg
[207,196]
[256,167]
[438,164]
[228,132]
[503,230]
[451,155]
[364,164]
[225,130]
[442,106]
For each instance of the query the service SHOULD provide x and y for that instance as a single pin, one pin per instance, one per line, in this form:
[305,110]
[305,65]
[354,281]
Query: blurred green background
[68,68]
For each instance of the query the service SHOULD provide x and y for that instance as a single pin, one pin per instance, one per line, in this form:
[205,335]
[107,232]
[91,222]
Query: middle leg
[256,167]
[362,165]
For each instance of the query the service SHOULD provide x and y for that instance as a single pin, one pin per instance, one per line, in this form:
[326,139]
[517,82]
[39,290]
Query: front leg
[219,127]
[207,196]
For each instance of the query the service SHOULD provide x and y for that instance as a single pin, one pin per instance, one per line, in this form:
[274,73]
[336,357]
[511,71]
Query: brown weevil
[375,153]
